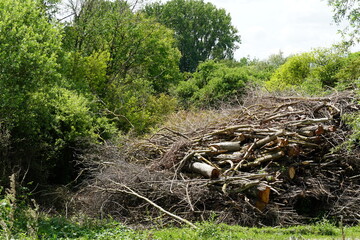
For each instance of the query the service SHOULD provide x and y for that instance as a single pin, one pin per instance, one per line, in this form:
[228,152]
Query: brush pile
[268,163]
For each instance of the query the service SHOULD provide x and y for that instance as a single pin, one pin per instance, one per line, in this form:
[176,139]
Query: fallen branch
[265,158]
[132,192]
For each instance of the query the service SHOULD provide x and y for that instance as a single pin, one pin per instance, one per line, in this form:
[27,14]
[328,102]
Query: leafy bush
[28,54]
[55,97]
[309,72]
[292,73]
[57,119]
[211,83]
[349,74]
[17,217]
[126,60]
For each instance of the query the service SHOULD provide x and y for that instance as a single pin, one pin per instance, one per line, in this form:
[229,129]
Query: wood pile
[269,163]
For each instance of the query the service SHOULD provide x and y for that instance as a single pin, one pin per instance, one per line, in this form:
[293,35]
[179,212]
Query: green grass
[83,229]
[222,231]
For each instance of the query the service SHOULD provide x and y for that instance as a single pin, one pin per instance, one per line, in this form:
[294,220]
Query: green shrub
[136,107]
[58,119]
[308,72]
[292,73]
[18,219]
[53,124]
[212,83]
[349,74]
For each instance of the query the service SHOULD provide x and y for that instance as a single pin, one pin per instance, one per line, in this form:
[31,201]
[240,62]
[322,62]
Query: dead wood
[270,163]
[125,189]
[204,169]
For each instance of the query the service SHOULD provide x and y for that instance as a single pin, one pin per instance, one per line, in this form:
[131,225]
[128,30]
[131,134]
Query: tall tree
[29,45]
[138,47]
[126,59]
[44,119]
[348,10]
[203,31]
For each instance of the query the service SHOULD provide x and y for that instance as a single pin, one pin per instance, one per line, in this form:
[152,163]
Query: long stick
[132,192]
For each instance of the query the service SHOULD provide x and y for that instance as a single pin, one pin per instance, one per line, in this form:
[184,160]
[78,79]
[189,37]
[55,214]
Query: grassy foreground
[61,228]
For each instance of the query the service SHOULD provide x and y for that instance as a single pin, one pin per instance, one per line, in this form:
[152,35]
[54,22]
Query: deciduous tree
[126,59]
[348,11]
[203,31]
[43,118]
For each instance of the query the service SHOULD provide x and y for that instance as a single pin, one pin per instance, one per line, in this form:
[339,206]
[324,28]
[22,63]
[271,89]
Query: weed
[17,216]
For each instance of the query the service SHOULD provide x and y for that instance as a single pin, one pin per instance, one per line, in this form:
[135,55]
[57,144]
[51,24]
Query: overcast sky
[292,26]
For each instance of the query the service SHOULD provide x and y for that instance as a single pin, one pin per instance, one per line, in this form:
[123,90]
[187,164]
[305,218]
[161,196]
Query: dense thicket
[313,72]
[42,118]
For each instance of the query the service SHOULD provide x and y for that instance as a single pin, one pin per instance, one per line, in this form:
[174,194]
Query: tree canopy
[348,11]
[203,31]
[127,60]
[43,117]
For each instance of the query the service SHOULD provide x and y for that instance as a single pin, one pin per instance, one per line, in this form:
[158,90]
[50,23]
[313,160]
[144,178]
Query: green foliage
[56,119]
[127,61]
[138,47]
[348,11]
[292,73]
[327,63]
[203,32]
[136,106]
[213,82]
[18,218]
[349,74]
[308,72]
[87,74]
[65,116]
[42,116]
[28,54]
[82,228]
[263,70]
[210,230]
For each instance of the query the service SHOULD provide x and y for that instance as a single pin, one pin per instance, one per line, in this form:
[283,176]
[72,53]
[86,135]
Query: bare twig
[132,192]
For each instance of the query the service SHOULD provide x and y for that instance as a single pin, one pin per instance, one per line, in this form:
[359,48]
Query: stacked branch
[270,163]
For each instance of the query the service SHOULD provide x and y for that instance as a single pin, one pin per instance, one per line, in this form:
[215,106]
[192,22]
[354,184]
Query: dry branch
[132,192]
[254,165]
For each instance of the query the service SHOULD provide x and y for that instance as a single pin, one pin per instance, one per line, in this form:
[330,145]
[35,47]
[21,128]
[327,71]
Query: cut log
[204,169]
[235,157]
[307,121]
[228,146]
[264,193]
[281,115]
